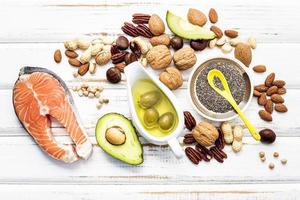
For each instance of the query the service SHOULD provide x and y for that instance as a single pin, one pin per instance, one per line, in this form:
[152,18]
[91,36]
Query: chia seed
[209,97]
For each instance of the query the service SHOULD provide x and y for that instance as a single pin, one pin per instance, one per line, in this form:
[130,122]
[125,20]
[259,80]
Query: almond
[83,69]
[281,107]
[269,106]
[261,88]
[71,54]
[196,17]
[74,62]
[259,68]
[256,93]
[156,25]
[57,56]
[269,80]
[265,115]
[279,83]
[272,90]
[281,91]
[262,100]
[218,32]
[276,98]
[243,53]
[231,33]
[213,15]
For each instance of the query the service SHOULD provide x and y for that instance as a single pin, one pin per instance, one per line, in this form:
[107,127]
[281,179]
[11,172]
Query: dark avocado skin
[130,123]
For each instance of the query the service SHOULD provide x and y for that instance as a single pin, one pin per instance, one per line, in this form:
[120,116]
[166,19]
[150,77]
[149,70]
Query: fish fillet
[39,94]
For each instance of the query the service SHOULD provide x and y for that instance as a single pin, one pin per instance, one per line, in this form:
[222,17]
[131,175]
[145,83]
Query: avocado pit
[115,135]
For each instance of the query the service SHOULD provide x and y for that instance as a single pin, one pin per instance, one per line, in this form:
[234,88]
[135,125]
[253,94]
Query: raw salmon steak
[38,94]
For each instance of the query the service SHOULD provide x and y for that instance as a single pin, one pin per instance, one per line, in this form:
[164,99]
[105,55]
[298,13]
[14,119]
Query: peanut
[227,131]
[83,43]
[96,48]
[71,45]
[87,55]
[237,138]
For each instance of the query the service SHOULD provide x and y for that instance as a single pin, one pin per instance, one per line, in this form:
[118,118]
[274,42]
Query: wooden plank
[132,192]
[269,21]
[25,163]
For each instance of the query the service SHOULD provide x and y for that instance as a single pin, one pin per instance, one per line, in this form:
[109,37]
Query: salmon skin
[38,94]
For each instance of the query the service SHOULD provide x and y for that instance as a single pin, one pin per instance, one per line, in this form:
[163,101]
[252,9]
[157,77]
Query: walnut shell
[184,58]
[172,78]
[159,57]
[205,133]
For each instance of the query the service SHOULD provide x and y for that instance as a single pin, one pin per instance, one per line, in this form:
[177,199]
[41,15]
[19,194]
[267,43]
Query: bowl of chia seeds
[208,102]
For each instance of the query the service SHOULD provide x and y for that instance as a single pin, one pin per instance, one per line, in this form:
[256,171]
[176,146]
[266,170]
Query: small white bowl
[135,71]
[214,116]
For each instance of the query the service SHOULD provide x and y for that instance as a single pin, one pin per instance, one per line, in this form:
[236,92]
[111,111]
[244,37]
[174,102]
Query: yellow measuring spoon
[226,93]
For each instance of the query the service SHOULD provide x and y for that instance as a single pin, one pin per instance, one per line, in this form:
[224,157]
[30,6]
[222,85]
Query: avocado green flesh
[187,30]
[131,151]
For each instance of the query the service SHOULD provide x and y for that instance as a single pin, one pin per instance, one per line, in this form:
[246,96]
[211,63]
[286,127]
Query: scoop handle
[228,96]
[176,148]
[249,125]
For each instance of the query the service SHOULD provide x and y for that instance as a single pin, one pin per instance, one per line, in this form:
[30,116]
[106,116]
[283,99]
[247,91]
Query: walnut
[172,78]
[159,57]
[205,133]
[184,58]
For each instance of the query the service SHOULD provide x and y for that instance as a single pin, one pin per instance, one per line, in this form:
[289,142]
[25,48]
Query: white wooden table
[30,32]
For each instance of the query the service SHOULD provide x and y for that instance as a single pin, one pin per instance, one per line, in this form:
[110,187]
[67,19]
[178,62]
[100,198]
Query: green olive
[150,117]
[149,99]
[166,121]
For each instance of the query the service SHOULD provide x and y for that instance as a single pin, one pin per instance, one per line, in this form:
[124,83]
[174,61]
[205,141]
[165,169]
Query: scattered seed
[261,154]
[80,93]
[276,154]
[283,161]
[271,165]
[97,94]
[99,88]
[98,105]
[85,93]
[75,74]
[263,159]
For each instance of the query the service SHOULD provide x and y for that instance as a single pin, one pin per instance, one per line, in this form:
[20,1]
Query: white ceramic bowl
[135,71]
[214,116]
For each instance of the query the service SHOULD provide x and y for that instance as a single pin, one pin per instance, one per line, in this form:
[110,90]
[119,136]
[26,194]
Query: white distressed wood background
[31,30]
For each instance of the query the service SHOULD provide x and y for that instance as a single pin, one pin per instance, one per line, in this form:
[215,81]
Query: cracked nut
[172,78]
[159,57]
[205,133]
[184,58]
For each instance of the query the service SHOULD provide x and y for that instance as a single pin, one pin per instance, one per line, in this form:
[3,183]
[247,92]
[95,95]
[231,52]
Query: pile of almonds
[270,94]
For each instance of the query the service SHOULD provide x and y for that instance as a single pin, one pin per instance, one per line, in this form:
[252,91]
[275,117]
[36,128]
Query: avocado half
[186,30]
[131,150]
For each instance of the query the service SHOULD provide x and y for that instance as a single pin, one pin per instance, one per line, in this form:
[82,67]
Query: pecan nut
[189,120]
[140,18]
[144,31]
[220,142]
[119,57]
[204,150]
[129,29]
[193,155]
[189,140]
[220,152]
[114,50]
[216,155]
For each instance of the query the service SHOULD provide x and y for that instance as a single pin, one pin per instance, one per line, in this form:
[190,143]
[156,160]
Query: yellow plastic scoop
[226,93]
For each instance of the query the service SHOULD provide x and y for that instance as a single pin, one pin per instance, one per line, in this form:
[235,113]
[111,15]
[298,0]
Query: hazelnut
[172,78]
[122,43]
[184,58]
[267,136]
[176,43]
[115,135]
[199,45]
[159,57]
[205,133]
[113,75]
